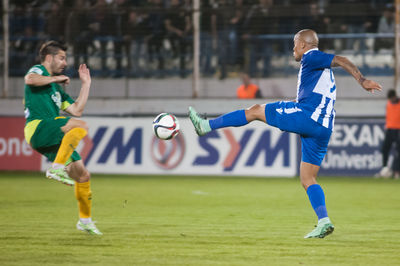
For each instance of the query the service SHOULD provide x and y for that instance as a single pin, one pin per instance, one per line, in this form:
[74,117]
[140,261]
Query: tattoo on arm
[349,67]
[361,80]
[355,72]
[334,63]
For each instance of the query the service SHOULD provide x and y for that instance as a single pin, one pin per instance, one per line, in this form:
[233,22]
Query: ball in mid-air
[166,126]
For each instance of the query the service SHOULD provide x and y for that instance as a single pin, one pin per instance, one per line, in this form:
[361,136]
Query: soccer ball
[166,126]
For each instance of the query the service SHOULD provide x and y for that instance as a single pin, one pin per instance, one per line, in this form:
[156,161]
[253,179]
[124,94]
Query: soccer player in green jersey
[55,136]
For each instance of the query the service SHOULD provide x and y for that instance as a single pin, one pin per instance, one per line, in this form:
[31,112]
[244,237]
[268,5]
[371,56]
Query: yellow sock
[84,196]
[68,144]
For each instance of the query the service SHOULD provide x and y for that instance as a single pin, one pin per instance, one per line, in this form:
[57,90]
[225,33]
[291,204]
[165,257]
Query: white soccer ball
[165,126]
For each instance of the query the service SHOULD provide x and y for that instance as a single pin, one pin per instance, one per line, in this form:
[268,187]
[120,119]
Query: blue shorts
[288,116]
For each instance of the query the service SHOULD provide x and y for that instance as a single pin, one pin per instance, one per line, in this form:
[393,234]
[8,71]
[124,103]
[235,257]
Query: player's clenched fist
[62,79]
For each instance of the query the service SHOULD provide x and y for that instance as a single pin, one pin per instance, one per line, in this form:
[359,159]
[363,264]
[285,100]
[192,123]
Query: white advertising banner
[128,146]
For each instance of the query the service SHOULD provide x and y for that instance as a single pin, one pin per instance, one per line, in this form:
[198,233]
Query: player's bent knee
[82,124]
[75,123]
[306,182]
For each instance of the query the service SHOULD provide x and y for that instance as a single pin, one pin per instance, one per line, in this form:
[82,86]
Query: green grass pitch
[166,220]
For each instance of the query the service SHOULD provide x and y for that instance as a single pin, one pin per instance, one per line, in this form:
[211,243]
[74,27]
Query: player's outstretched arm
[346,64]
[78,106]
[36,80]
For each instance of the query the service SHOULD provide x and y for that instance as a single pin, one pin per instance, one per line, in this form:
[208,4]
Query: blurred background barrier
[370,59]
[128,145]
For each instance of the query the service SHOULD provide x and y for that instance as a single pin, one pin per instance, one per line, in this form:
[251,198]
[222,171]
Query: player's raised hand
[62,79]
[371,86]
[84,73]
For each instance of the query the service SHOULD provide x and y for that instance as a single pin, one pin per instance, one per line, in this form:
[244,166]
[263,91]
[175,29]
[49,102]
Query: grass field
[158,220]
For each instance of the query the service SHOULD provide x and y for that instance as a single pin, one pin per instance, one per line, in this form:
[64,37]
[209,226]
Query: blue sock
[317,199]
[232,119]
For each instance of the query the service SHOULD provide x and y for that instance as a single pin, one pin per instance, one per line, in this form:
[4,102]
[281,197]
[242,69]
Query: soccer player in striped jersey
[311,116]
[55,136]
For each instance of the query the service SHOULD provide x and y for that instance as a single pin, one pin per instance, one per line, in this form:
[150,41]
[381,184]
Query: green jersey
[44,102]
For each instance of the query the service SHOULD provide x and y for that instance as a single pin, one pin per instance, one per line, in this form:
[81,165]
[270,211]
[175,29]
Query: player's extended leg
[308,178]
[75,130]
[83,194]
[233,119]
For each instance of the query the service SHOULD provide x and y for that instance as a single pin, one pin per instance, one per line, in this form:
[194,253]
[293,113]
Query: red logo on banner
[15,153]
[168,154]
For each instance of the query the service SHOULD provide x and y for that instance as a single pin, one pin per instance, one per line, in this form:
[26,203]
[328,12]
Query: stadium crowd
[147,38]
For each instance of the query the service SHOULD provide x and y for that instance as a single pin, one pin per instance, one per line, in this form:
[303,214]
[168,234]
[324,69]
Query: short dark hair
[50,47]
[391,94]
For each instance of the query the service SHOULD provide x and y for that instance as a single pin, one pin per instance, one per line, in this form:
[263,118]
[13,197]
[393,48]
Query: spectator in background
[248,90]
[78,33]
[26,26]
[104,27]
[119,12]
[386,25]
[236,51]
[18,29]
[1,19]
[359,23]
[260,21]
[136,3]
[187,5]
[223,16]
[392,135]
[156,34]
[178,26]
[317,21]
[133,33]
[55,22]
[208,32]
[381,4]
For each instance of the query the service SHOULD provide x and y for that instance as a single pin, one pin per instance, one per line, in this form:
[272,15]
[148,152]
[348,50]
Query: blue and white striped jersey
[316,88]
